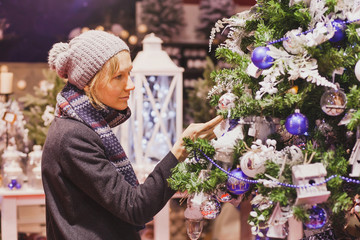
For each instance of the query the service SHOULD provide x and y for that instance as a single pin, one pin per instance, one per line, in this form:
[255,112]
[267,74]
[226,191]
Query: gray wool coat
[86,198]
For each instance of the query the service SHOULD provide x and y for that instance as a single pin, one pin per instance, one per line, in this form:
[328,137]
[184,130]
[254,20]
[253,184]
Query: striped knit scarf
[73,103]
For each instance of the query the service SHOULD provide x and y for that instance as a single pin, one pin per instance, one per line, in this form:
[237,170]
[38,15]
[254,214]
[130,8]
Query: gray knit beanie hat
[81,58]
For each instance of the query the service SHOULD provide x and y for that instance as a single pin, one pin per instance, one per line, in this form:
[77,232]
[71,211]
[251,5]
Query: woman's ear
[86,89]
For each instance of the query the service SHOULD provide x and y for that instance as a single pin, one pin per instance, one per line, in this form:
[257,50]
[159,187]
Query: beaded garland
[349,180]
[308,31]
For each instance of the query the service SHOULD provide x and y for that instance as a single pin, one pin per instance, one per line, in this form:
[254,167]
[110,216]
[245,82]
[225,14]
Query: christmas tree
[210,12]
[13,131]
[165,18]
[290,135]
[196,109]
[39,108]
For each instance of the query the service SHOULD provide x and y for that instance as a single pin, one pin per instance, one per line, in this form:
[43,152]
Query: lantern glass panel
[158,106]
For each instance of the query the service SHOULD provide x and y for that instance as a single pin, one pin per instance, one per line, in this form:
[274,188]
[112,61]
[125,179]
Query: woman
[91,189]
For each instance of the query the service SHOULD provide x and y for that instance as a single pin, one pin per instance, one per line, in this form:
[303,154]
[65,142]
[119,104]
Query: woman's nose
[130,85]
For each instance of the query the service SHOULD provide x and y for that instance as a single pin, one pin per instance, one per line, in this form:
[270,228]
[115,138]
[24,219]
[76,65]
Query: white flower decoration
[48,115]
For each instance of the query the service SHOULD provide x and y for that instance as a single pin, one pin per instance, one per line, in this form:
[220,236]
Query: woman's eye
[118,76]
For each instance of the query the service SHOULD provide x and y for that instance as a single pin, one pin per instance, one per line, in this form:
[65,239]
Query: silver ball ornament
[357,70]
[333,102]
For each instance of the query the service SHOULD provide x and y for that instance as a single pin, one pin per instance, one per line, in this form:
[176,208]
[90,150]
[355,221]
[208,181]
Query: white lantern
[156,105]
[157,116]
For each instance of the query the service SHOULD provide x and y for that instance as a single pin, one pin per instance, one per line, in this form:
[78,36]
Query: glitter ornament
[317,218]
[328,234]
[297,123]
[235,185]
[261,59]
[357,70]
[223,196]
[227,101]
[210,208]
[339,27]
[292,43]
[333,102]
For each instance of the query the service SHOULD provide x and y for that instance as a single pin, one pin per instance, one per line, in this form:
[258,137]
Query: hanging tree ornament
[253,70]
[317,218]
[235,185]
[294,42]
[357,70]
[210,208]
[313,174]
[227,101]
[297,123]
[327,234]
[253,162]
[333,102]
[294,90]
[276,224]
[339,27]
[261,59]
[194,228]
[228,133]
[194,200]
[222,195]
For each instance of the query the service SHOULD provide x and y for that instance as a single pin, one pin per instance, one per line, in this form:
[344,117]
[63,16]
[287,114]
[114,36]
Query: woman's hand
[193,131]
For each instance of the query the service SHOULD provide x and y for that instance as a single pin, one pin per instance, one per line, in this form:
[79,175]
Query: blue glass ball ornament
[339,34]
[261,59]
[235,185]
[14,184]
[297,123]
[317,218]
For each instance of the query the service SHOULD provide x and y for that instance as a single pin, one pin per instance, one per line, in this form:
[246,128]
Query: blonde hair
[106,73]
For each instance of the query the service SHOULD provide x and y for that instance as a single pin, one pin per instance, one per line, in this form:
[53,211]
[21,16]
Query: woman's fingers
[206,133]
[202,130]
[213,122]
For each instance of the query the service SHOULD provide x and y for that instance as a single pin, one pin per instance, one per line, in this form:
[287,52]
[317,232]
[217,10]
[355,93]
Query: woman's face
[115,92]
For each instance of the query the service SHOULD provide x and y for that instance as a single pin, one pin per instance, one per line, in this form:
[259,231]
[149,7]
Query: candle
[6,82]
[4,68]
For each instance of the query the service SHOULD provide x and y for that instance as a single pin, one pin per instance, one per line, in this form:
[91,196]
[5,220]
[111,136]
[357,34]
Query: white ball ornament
[252,164]
[357,70]
[227,101]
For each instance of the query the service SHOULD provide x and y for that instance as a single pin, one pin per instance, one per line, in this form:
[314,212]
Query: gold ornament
[293,90]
